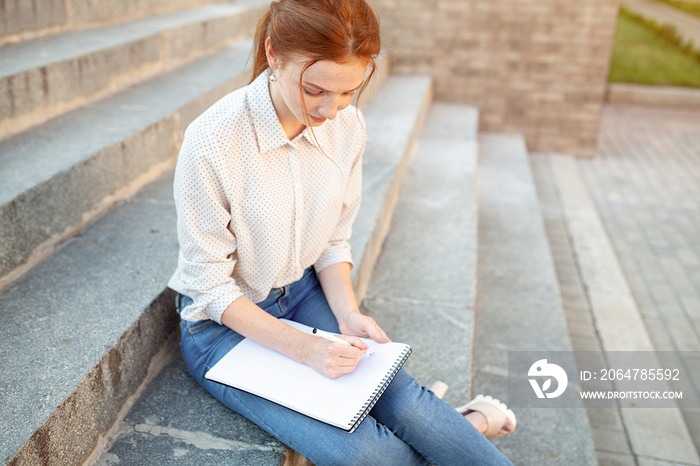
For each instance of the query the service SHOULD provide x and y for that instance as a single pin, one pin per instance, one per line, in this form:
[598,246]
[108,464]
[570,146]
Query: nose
[329,109]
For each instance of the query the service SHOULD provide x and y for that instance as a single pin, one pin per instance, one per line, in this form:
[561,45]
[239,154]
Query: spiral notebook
[342,402]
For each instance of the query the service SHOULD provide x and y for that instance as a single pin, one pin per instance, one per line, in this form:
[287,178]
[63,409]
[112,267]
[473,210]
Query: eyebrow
[326,90]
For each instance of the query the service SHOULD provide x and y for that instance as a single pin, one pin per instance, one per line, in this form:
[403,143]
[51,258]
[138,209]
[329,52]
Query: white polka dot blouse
[254,209]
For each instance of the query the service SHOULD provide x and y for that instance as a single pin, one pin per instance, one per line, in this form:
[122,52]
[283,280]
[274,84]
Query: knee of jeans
[361,453]
[374,444]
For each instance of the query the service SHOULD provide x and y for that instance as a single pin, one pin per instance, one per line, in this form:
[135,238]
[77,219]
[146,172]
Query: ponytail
[261,33]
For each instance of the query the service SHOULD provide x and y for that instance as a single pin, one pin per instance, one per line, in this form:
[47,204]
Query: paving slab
[645,183]
[518,306]
[659,433]
[606,423]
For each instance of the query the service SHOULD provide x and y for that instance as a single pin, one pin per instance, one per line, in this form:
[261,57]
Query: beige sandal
[493,410]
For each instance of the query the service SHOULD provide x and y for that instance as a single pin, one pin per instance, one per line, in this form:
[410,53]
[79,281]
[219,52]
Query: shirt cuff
[203,307]
[216,308]
[333,255]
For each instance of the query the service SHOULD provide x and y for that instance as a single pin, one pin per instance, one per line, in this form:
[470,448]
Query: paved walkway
[645,182]
[607,427]
[688,26]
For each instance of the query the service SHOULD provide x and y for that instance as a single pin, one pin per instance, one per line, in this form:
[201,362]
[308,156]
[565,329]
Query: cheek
[292,97]
[344,102]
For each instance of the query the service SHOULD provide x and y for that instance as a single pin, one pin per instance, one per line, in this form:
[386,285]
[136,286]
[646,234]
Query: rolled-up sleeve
[207,245]
[338,248]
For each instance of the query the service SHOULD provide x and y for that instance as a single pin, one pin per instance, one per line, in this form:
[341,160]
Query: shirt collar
[268,129]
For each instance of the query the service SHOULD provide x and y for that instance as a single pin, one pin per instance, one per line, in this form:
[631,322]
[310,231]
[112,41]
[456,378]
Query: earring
[273,76]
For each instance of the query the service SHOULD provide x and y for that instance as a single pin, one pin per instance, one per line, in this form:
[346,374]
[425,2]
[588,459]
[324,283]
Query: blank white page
[256,369]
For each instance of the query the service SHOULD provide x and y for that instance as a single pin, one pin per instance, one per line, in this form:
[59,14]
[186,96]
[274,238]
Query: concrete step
[81,329]
[60,175]
[518,304]
[175,421]
[64,173]
[686,25]
[391,142]
[47,77]
[22,20]
[423,288]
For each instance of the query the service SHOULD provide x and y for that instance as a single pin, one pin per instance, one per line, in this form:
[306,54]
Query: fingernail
[508,426]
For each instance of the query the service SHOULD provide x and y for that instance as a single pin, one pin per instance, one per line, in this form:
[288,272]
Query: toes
[506,429]
[508,426]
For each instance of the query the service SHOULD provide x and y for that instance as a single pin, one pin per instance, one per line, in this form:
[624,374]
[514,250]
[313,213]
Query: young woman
[267,187]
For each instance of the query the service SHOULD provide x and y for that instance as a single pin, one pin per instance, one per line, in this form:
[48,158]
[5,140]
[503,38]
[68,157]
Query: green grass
[692,8]
[646,53]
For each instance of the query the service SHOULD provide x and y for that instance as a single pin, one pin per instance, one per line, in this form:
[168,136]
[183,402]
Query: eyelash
[312,94]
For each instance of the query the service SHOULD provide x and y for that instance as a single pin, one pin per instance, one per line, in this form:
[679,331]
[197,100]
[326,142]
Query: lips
[316,120]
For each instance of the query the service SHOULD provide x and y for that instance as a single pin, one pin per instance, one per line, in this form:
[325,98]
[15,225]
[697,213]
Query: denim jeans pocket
[196,327]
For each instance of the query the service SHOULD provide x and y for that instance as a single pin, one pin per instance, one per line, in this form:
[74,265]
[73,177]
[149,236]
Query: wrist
[344,314]
[305,349]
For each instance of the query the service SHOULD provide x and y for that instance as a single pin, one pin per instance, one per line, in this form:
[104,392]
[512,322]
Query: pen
[329,336]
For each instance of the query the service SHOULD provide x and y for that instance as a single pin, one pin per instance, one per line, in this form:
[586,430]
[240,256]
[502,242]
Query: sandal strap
[495,412]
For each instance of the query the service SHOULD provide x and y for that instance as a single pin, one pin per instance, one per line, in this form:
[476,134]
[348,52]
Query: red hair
[335,30]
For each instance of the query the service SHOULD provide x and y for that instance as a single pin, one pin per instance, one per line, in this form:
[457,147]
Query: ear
[272,59]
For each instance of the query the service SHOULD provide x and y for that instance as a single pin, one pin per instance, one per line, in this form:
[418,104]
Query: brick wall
[538,67]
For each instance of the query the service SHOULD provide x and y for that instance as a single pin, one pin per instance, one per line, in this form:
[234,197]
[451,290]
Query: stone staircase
[90,130]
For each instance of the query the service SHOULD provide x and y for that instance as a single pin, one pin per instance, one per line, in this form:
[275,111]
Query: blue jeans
[408,425]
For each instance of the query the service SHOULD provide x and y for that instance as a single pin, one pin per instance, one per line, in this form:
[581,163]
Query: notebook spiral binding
[374,397]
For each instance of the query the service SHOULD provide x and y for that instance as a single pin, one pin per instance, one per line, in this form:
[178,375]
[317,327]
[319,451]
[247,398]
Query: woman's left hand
[361,325]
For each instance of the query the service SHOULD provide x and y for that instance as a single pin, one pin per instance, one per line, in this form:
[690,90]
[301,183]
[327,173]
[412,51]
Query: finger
[351,351]
[348,361]
[338,366]
[346,369]
[355,341]
[337,370]
[376,333]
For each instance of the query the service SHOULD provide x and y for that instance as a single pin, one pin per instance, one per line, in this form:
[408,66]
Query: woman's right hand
[333,359]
